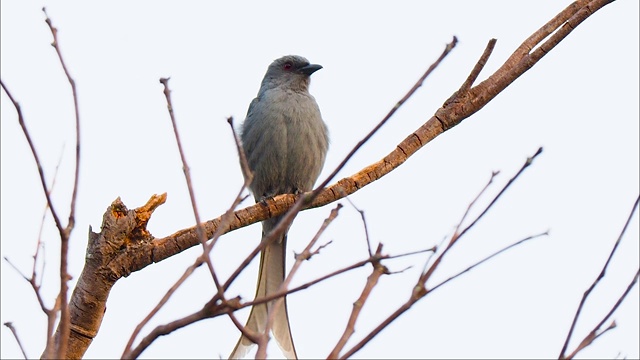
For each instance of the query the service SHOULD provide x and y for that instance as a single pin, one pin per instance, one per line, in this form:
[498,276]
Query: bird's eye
[287,66]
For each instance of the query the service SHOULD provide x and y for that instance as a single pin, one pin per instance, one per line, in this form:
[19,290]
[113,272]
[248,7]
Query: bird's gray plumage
[285,141]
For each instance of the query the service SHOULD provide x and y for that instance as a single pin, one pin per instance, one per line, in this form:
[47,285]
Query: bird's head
[292,71]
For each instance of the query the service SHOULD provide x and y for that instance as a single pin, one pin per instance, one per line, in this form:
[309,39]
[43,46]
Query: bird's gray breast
[285,141]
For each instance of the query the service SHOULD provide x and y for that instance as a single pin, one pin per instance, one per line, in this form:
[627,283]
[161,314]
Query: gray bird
[285,141]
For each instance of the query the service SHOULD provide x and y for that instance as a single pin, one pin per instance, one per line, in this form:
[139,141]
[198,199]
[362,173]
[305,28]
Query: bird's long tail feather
[270,277]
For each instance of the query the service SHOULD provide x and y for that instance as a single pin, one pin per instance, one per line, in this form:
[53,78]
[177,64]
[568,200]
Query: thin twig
[215,308]
[185,166]
[65,232]
[593,335]
[43,181]
[244,163]
[128,351]
[457,235]
[64,326]
[39,243]
[356,265]
[364,224]
[372,280]
[430,250]
[488,258]
[187,175]
[52,314]
[393,110]
[15,335]
[478,67]
[527,163]
[211,309]
[597,280]
[486,186]
[76,173]
[420,289]
[127,354]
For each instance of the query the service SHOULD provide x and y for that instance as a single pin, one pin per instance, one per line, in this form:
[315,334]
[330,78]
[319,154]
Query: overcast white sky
[580,103]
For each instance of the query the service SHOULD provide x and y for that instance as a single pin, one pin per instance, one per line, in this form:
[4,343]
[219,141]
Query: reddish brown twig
[391,112]
[472,203]
[51,313]
[215,307]
[187,174]
[420,290]
[593,333]
[185,166]
[64,325]
[458,234]
[504,249]
[364,224]
[204,257]
[348,268]
[43,181]
[377,271]
[62,335]
[15,335]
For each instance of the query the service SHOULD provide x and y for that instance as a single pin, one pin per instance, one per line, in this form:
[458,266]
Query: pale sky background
[580,103]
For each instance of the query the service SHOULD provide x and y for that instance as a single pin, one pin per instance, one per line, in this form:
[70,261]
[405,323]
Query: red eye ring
[287,66]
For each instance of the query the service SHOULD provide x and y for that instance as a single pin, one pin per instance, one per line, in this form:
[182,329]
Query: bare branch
[204,257]
[244,163]
[420,290]
[464,216]
[216,308]
[593,285]
[488,258]
[185,166]
[377,271]
[364,224]
[478,67]
[62,335]
[593,334]
[43,181]
[457,235]
[15,335]
[74,196]
[187,175]
[51,313]
[393,110]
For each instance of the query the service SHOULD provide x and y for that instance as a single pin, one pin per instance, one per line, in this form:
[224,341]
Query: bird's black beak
[310,69]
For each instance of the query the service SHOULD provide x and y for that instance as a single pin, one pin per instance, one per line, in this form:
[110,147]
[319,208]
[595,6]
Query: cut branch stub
[123,230]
